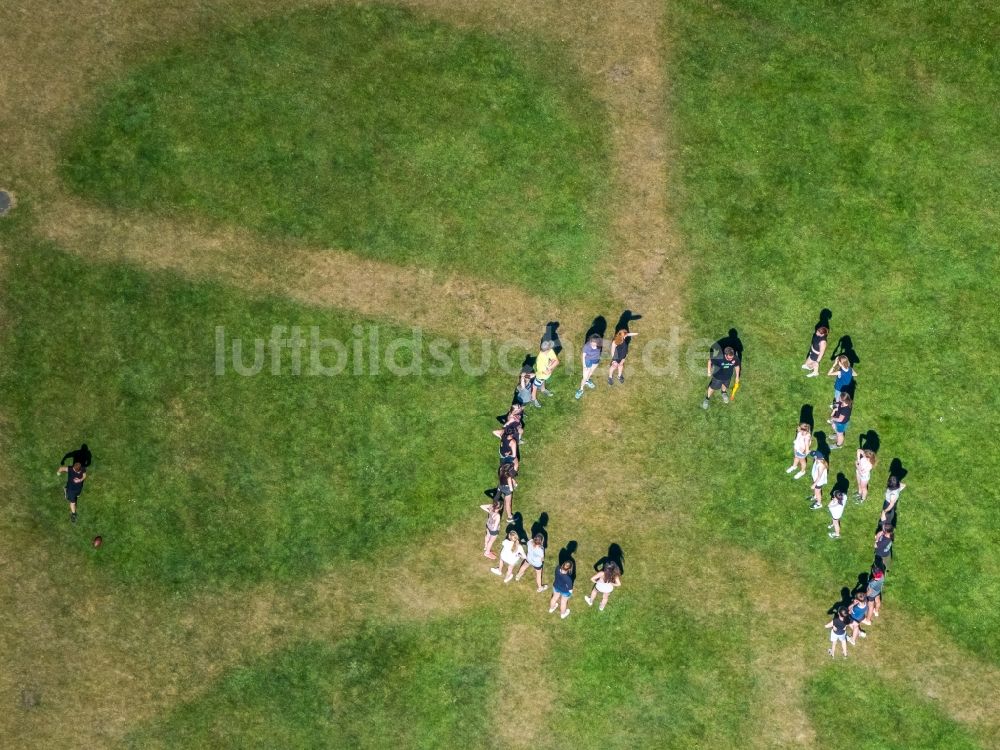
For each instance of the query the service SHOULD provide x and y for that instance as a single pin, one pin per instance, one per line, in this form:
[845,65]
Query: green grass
[856,707]
[210,479]
[368,129]
[385,686]
[844,158]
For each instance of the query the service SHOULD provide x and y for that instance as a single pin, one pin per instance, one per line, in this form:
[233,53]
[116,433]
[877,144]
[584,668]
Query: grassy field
[294,561]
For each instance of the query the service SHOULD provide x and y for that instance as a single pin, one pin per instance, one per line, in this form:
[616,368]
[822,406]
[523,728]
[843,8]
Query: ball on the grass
[98,541]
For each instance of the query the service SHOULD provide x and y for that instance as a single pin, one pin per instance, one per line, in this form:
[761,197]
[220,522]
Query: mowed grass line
[370,129]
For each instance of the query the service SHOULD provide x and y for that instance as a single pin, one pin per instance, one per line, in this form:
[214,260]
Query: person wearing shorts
[545,364]
[845,376]
[75,477]
[883,547]
[619,351]
[508,445]
[591,357]
[874,595]
[505,487]
[721,371]
[605,581]
[863,464]
[522,392]
[817,347]
[819,477]
[838,631]
[841,418]
[800,450]
[859,613]
[492,527]
[511,553]
[562,589]
[534,558]
[836,506]
[892,489]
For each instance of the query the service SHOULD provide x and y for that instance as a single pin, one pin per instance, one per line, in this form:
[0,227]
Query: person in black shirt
[75,476]
[817,347]
[80,456]
[841,418]
[619,351]
[838,630]
[721,370]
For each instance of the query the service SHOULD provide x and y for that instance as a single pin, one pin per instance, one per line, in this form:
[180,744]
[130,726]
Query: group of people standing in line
[866,601]
[519,554]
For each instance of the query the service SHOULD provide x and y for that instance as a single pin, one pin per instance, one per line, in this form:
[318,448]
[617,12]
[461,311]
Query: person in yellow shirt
[545,364]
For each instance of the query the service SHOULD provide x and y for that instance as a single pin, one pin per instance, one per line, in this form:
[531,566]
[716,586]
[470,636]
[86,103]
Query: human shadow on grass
[517,524]
[566,555]
[824,319]
[847,592]
[539,527]
[897,470]
[845,346]
[551,333]
[822,445]
[869,441]
[598,327]
[81,455]
[730,339]
[624,319]
[841,484]
[806,416]
[615,555]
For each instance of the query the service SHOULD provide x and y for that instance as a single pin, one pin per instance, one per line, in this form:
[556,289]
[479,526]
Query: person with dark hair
[506,485]
[605,581]
[508,444]
[492,527]
[820,475]
[591,358]
[817,347]
[619,351]
[81,455]
[838,631]
[721,371]
[535,558]
[75,477]
[883,547]
[874,594]
[562,589]
[892,489]
[841,418]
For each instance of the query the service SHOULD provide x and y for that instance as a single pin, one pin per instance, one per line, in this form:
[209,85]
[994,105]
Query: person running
[75,477]
[562,589]
[800,451]
[859,614]
[535,558]
[492,527]
[506,485]
[819,477]
[841,418]
[863,465]
[837,501]
[511,553]
[873,595]
[605,581]
[523,389]
[892,489]
[591,358]
[619,351]
[816,350]
[721,370]
[838,631]
[545,364]
[845,376]
[883,547]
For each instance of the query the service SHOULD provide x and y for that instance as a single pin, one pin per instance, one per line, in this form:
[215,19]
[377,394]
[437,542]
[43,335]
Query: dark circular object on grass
[7,202]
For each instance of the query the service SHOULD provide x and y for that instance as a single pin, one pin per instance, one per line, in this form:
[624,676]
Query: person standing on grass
[545,364]
[883,547]
[817,348]
[619,351]
[523,389]
[874,595]
[605,581]
[508,445]
[892,489]
[492,527]
[75,477]
[841,418]
[845,376]
[837,501]
[819,477]
[800,451]
[859,613]
[721,370]
[534,557]
[562,589]
[863,465]
[838,631]
[511,553]
[505,488]
[591,358]
[514,418]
